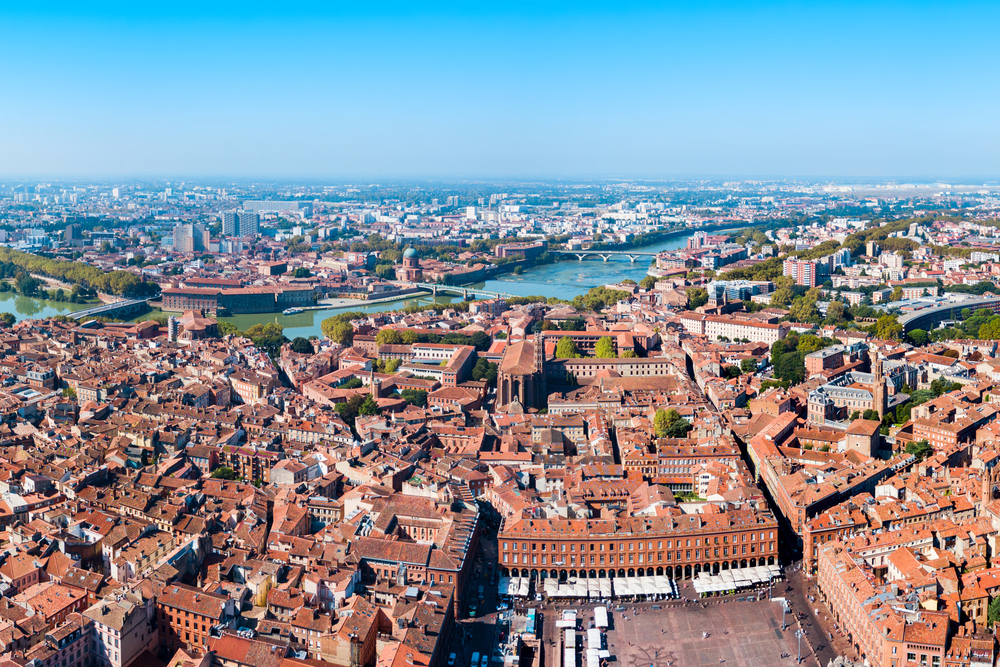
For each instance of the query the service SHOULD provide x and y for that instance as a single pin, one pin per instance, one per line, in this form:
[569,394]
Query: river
[565,280]
[571,277]
[25,307]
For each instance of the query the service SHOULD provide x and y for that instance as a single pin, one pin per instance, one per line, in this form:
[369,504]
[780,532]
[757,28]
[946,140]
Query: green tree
[629,354]
[566,348]
[649,282]
[302,272]
[228,329]
[368,406]
[485,371]
[942,386]
[267,329]
[224,472]
[661,423]
[302,345]
[919,337]
[605,348]
[69,392]
[888,328]
[921,449]
[349,409]
[896,295]
[804,310]
[338,329]
[782,297]
[7,320]
[809,343]
[390,366]
[993,611]
[791,367]
[678,428]
[417,397]
[748,365]
[871,415]
[26,284]
[389,337]
[778,348]
[573,324]
[697,297]
[835,313]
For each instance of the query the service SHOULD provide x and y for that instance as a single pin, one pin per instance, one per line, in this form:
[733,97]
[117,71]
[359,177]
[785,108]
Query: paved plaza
[747,634]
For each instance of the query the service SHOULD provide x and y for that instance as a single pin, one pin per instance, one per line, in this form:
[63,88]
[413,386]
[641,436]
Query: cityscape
[499,335]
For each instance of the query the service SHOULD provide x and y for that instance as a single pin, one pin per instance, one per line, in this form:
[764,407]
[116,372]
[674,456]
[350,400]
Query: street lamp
[800,634]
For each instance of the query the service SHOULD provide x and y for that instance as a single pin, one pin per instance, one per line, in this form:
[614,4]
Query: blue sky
[513,89]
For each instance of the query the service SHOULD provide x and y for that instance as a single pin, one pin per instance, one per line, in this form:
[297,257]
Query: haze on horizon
[517,89]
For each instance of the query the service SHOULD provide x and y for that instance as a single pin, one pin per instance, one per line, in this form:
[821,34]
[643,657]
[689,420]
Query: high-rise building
[249,224]
[892,260]
[183,240]
[804,273]
[73,232]
[230,223]
[190,238]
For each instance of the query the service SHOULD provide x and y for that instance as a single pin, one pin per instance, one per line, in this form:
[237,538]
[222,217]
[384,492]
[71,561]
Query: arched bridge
[604,254]
[118,309]
[466,292]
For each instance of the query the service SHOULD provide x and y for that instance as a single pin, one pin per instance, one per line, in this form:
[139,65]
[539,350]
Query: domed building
[411,271]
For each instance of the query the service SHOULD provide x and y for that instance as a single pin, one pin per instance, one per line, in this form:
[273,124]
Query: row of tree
[121,283]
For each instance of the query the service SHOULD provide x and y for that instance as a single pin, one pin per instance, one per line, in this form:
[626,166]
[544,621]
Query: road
[818,626]
[479,633]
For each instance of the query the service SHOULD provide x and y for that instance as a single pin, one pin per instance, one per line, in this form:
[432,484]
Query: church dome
[410,252]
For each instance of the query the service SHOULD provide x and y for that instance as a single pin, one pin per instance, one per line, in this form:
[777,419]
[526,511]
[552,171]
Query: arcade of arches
[679,548]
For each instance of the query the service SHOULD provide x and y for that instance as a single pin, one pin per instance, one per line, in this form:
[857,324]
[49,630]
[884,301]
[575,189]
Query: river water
[26,307]
[565,280]
[571,277]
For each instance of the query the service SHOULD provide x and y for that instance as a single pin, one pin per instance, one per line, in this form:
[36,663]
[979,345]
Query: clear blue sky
[518,89]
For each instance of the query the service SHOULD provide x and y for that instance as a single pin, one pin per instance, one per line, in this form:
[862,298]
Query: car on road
[475,660]
[451,660]
[485,661]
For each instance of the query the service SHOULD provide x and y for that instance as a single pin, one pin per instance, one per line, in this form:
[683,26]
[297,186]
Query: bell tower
[541,398]
[879,391]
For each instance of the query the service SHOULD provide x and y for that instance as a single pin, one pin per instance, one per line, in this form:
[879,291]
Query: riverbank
[349,303]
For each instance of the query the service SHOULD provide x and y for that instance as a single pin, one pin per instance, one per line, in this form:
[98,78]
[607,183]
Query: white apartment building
[717,327]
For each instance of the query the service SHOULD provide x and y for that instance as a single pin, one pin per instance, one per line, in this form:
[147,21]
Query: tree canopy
[605,348]
[566,349]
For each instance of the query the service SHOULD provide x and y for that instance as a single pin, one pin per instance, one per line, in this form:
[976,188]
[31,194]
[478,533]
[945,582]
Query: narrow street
[819,626]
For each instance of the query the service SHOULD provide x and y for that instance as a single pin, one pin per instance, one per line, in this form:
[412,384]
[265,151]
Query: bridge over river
[604,254]
[126,309]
